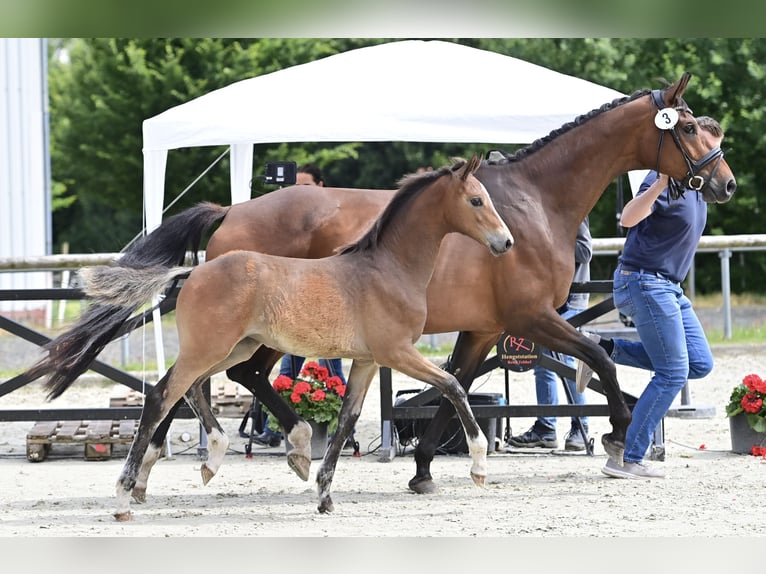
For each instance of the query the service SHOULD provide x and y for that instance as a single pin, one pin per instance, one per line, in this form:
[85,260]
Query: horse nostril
[731,187]
[508,243]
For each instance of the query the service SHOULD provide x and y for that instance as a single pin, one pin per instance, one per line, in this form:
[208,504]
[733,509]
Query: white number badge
[666,118]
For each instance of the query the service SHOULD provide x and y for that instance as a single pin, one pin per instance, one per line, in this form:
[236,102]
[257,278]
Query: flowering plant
[314,395]
[749,397]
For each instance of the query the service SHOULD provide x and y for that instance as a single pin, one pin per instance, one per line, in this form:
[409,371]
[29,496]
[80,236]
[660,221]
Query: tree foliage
[104,89]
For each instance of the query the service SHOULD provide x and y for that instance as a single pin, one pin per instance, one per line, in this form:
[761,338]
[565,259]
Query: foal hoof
[478,479]
[299,464]
[422,485]
[326,506]
[207,474]
[614,449]
[123,516]
[139,495]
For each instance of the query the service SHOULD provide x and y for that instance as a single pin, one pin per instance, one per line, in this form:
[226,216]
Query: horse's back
[299,221]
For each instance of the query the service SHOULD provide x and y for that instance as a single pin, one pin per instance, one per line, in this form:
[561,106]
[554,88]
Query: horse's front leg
[359,379]
[411,363]
[470,350]
[253,374]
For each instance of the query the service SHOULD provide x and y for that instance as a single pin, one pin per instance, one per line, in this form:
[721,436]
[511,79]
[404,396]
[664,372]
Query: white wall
[24,165]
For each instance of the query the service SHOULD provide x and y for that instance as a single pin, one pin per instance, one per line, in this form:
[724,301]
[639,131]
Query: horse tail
[123,287]
[167,245]
[72,352]
[118,292]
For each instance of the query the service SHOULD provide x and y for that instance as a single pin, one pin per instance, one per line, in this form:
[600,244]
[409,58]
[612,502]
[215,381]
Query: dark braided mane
[409,187]
[578,121]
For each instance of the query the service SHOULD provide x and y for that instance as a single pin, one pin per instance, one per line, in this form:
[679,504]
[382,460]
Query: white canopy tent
[424,91]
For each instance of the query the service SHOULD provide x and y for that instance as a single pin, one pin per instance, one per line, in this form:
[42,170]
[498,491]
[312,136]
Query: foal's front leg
[412,364]
[359,378]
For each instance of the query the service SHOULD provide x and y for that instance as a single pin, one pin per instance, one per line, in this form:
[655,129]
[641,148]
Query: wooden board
[227,399]
[97,437]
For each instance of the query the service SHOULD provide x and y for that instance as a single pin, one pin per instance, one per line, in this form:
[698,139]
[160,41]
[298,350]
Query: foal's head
[469,209]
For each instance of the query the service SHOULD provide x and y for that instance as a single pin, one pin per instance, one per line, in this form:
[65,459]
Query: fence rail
[725,245]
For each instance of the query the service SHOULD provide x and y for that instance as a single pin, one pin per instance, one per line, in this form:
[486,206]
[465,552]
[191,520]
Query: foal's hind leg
[153,453]
[253,375]
[470,350]
[359,379]
[158,404]
[217,441]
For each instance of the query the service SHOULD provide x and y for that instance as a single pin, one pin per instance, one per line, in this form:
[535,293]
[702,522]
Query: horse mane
[578,121]
[409,187]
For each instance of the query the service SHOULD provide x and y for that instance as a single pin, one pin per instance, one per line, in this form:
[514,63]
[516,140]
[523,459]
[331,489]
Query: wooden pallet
[97,437]
[227,399]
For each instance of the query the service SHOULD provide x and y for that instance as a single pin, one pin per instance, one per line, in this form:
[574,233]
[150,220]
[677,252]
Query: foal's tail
[72,352]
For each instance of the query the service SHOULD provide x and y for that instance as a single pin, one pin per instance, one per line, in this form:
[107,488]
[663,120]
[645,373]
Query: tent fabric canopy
[413,90]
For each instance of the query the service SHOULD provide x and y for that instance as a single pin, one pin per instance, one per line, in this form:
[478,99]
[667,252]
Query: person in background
[665,223]
[307,174]
[543,431]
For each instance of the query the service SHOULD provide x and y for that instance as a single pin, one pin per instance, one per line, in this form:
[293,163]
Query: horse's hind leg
[359,379]
[470,350]
[217,442]
[157,407]
[153,453]
[253,375]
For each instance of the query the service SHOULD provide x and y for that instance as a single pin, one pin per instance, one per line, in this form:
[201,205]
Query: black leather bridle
[692,179]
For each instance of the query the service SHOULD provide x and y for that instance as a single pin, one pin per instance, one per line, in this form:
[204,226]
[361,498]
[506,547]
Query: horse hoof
[478,479]
[326,506]
[207,474]
[422,485]
[123,516]
[139,495]
[614,449]
[299,464]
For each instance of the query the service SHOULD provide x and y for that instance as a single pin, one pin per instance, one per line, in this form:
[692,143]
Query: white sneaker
[631,470]
[584,372]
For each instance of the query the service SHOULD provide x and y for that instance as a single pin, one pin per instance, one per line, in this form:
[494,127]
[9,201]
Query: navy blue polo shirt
[665,241]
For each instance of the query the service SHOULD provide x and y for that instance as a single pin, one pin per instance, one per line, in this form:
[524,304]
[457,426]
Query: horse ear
[470,166]
[673,93]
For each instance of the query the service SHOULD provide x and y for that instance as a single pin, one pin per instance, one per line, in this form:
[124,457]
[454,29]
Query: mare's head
[687,151]
[468,207]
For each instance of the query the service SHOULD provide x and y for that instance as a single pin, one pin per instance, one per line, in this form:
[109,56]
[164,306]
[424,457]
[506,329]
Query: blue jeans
[546,384]
[333,365]
[672,344]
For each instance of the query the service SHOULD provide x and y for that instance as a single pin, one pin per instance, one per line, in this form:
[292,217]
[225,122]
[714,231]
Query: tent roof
[413,90]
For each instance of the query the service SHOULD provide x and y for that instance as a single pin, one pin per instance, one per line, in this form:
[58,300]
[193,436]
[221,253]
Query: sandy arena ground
[709,491]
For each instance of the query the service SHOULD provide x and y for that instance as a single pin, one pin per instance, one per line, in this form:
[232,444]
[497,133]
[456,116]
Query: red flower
[333,382]
[754,383]
[295,397]
[317,396]
[301,388]
[315,370]
[341,390]
[758,451]
[751,403]
[283,383]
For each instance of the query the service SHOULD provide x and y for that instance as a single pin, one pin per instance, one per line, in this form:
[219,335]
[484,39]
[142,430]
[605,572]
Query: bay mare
[543,192]
[309,307]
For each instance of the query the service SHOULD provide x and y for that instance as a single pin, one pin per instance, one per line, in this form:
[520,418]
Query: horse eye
[689,129]
[476,202]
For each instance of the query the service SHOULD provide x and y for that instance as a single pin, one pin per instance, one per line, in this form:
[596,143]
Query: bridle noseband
[692,179]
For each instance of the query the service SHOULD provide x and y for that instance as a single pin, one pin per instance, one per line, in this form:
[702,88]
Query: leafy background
[102,89]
